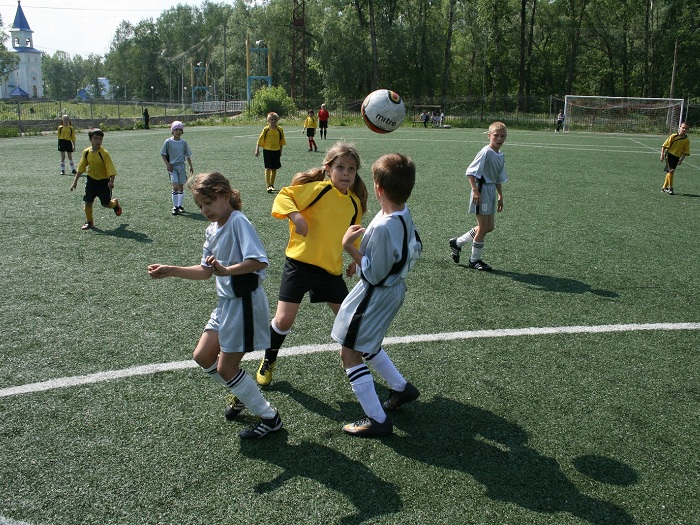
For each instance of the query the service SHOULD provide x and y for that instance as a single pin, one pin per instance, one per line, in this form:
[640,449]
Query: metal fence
[38,115]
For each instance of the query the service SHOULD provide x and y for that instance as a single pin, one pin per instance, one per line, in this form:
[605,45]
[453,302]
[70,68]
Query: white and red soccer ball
[383,111]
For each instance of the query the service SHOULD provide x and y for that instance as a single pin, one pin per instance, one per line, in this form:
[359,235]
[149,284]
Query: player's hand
[351,269]
[158,271]
[500,204]
[352,233]
[476,197]
[219,269]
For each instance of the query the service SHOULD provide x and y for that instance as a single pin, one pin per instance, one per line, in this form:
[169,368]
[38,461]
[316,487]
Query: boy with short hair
[389,249]
[673,151]
[100,177]
[175,152]
[486,173]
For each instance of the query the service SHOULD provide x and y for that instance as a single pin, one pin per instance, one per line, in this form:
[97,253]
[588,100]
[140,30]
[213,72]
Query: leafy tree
[8,59]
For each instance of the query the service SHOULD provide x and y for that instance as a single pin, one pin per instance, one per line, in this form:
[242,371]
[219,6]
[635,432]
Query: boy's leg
[376,423]
[88,216]
[485,225]
[401,390]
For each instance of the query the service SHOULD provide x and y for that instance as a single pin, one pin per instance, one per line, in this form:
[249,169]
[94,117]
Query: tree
[8,59]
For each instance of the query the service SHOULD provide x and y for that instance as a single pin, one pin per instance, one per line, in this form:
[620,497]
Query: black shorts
[310,132]
[322,124]
[65,145]
[272,159]
[671,161]
[298,278]
[97,189]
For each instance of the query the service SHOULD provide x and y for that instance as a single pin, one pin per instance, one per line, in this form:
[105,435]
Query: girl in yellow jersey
[66,143]
[320,205]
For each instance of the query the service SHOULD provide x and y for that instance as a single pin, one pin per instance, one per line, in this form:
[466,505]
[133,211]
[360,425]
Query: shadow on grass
[548,283]
[369,494]
[122,233]
[495,453]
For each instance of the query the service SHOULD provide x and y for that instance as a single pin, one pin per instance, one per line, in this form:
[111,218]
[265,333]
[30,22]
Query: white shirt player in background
[485,174]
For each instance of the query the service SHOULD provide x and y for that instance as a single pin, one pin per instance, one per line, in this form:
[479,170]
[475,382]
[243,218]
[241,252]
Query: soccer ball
[383,111]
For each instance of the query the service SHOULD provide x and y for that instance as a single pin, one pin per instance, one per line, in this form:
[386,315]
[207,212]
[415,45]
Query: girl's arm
[300,225]
[196,273]
[241,268]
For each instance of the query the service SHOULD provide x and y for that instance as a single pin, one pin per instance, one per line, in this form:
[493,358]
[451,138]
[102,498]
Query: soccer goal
[622,114]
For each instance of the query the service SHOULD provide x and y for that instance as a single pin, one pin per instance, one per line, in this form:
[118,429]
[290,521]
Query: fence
[38,115]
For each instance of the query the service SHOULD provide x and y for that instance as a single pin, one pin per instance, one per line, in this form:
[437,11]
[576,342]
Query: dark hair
[96,131]
[212,185]
[339,149]
[395,174]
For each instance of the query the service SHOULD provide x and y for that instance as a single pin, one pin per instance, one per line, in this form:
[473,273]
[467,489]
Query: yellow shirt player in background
[271,140]
[673,151]
[100,177]
[66,143]
[310,128]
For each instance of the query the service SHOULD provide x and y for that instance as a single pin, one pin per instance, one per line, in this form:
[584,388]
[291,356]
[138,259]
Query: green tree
[8,59]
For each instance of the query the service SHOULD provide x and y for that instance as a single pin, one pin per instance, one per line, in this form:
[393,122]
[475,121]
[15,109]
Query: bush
[270,99]
[6,132]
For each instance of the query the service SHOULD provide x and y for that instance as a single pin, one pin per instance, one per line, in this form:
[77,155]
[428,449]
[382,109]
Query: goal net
[622,114]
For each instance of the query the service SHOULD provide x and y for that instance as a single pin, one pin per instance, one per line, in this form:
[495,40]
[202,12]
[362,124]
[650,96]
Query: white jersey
[390,248]
[489,166]
[231,244]
[176,150]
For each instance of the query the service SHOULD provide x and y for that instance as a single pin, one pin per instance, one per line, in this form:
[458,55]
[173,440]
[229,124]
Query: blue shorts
[178,175]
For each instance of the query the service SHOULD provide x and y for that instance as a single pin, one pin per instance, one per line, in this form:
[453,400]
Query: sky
[81,27]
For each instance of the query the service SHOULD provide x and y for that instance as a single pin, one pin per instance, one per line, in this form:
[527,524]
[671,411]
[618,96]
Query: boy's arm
[189,161]
[663,152]
[75,179]
[241,268]
[168,166]
[499,192]
[196,273]
[475,189]
[349,242]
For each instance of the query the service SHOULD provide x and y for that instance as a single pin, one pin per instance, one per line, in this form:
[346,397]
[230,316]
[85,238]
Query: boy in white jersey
[485,174]
[390,247]
[175,152]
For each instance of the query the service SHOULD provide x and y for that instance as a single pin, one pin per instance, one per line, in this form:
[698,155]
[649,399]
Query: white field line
[8,521]
[64,382]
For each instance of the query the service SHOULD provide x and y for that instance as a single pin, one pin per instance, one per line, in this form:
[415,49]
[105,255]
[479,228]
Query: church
[26,80]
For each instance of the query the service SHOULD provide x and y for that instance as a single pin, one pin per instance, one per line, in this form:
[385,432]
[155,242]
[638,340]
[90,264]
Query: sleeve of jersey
[261,141]
[249,242]
[82,165]
[109,165]
[380,255]
[477,166]
[294,198]
[164,149]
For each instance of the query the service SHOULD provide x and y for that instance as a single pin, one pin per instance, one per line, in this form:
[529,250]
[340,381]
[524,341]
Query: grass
[560,428]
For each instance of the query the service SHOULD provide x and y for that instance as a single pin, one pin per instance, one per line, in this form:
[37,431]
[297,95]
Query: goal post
[622,114]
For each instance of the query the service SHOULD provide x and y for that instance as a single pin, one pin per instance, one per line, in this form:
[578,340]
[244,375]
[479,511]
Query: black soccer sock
[276,341]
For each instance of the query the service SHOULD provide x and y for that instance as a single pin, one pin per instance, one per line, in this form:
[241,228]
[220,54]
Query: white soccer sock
[63,166]
[385,367]
[467,238]
[477,248]
[246,389]
[180,197]
[174,194]
[72,165]
[363,386]
[213,373]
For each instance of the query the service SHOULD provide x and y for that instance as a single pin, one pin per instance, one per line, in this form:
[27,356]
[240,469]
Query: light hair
[339,149]
[497,126]
[212,185]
